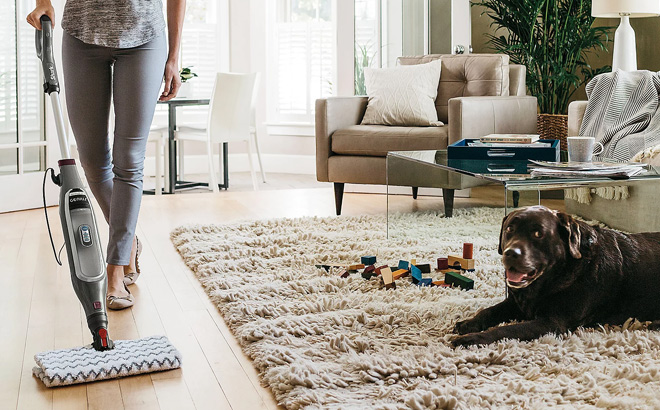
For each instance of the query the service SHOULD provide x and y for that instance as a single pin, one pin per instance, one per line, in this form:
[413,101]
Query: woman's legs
[135,76]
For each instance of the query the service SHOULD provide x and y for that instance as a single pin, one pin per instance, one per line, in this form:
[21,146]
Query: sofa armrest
[332,114]
[474,117]
[576,111]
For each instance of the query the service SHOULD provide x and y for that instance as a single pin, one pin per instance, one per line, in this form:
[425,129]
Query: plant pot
[185,91]
[553,127]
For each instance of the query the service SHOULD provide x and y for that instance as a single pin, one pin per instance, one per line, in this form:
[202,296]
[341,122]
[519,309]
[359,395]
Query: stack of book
[510,141]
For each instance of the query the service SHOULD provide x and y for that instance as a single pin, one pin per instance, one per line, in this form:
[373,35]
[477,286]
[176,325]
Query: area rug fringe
[320,341]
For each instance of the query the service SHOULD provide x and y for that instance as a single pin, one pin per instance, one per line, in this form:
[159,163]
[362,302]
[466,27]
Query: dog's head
[534,240]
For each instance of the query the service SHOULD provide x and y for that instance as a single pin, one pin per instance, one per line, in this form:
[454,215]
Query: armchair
[478,94]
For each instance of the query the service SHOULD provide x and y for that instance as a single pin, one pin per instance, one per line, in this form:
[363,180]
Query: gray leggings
[132,77]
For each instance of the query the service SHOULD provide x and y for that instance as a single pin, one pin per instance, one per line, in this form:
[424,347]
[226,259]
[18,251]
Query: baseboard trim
[276,163]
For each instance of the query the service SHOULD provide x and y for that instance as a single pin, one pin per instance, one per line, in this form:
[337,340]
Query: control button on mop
[97,305]
[85,235]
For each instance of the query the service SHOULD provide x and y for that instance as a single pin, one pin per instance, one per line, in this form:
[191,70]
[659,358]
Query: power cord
[55,178]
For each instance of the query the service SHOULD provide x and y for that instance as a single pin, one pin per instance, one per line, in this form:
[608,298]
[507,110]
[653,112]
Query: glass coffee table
[432,169]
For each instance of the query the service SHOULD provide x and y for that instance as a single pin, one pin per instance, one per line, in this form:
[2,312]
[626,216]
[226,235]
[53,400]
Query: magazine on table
[586,169]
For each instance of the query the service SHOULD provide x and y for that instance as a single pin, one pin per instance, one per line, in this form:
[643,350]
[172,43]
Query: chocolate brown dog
[563,274]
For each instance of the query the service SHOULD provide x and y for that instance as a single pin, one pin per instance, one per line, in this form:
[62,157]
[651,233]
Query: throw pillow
[403,95]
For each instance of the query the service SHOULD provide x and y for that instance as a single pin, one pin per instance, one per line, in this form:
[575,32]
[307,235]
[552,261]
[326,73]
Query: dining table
[172,183]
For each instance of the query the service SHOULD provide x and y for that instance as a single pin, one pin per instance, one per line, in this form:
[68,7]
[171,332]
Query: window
[302,59]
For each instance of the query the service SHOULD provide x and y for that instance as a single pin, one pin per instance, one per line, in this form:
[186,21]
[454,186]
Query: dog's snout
[512,252]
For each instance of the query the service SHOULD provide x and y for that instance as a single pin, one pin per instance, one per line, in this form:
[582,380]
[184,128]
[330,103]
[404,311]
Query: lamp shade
[631,8]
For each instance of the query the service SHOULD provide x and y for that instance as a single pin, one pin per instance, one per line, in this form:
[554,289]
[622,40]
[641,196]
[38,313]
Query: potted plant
[186,88]
[552,38]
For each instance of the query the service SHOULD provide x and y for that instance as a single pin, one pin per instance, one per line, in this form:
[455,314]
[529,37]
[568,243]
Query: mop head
[84,364]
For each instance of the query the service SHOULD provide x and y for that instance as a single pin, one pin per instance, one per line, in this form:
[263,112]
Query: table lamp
[625,54]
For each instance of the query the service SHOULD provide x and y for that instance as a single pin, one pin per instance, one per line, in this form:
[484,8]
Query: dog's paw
[468,326]
[469,340]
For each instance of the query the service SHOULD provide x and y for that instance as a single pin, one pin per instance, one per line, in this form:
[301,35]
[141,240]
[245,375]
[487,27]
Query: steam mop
[104,358]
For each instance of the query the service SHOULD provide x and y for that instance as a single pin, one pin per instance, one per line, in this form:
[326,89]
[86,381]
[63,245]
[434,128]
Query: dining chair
[231,117]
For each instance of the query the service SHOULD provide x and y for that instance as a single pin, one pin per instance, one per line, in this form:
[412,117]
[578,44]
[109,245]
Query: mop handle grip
[44,44]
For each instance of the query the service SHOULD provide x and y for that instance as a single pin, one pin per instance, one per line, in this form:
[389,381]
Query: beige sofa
[478,94]
[637,213]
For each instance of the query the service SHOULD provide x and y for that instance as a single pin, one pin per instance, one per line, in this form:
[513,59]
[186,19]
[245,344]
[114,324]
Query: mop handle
[44,44]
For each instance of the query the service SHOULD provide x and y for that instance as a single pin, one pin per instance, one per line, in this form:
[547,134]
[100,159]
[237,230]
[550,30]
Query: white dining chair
[231,117]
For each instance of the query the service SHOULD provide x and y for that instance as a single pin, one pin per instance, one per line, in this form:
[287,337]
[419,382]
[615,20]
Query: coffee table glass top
[513,174]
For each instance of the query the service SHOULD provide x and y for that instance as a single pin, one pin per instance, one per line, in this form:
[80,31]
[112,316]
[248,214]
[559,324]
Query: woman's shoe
[120,302]
[131,277]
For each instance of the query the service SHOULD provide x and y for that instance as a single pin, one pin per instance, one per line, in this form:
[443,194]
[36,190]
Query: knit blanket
[622,112]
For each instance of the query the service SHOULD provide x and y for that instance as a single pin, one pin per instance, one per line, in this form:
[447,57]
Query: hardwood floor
[39,310]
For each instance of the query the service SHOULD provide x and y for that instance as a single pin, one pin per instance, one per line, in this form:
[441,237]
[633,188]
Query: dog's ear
[499,246]
[572,231]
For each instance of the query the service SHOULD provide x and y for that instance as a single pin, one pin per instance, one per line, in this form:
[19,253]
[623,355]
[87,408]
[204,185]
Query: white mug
[581,149]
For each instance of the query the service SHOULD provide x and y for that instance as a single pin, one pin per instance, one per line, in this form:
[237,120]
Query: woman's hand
[43,7]
[172,80]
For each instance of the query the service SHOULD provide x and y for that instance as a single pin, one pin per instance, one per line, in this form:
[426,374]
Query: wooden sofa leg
[339,195]
[415,189]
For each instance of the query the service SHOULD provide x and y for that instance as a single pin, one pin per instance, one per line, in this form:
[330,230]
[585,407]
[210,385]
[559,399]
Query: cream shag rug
[320,341]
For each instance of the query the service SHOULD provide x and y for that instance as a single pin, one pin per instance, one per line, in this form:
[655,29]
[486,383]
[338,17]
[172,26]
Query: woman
[116,50]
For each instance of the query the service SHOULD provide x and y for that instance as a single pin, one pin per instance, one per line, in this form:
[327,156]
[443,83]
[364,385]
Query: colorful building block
[425,282]
[462,263]
[404,265]
[355,267]
[457,279]
[425,267]
[386,275]
[416,272]
[442,263]
[380,268]
[368,260]
[343,273]
[369,272]
[467,250]
[441,283]
[400,273]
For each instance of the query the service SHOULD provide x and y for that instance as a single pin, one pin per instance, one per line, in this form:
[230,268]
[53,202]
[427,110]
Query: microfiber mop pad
[84,364]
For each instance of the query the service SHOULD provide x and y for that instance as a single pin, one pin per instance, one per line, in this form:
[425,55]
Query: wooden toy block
[380,268]
[425,282]
[327,266]
[386,274]
[369,272]
[416,273]
[368,260]
[467,250]
[465,264]
[413,261]
[442,263]
[391,285]
[404,265]
[401,273]
[425,267]
[450,270]
[457,279]
[441,283]
[355,267]
[343,273]
[368,275]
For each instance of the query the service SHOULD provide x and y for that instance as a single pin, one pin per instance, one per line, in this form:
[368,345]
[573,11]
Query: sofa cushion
[403,95]
[465,75]
[377,140]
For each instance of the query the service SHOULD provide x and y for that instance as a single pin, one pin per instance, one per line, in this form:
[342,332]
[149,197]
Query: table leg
[225,164]
[516,199]
[448,198]
[171,125]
